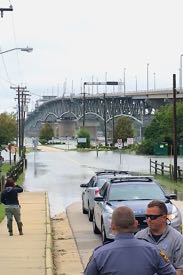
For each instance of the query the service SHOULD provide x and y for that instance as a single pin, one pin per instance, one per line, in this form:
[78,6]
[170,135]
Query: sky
[88,40]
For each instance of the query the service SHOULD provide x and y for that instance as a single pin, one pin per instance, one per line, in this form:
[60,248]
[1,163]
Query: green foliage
[146,147]
[161,128]
[46,132]
[43,141]
[8,128]
[83,133]
[2,212]
[123,129]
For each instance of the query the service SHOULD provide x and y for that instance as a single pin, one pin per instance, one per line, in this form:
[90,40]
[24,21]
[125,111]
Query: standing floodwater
[60,173]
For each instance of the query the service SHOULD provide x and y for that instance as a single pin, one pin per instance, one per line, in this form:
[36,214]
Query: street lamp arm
[27,49]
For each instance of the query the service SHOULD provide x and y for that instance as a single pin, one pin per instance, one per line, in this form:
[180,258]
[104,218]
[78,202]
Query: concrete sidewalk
[29,254]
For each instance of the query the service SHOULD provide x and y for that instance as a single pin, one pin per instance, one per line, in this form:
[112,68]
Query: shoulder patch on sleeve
[164,256]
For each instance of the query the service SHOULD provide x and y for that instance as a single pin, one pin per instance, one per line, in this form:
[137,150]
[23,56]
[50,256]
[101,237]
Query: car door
[99,205]
[88,191]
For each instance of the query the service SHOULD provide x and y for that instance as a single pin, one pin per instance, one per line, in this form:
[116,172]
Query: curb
[48,247]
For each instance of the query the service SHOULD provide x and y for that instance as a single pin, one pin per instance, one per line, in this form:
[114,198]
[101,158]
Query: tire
[90,214]
[104,238]
[83,209]
[95,228]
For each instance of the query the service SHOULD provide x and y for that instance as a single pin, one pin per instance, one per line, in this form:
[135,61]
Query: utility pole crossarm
[6,9]
[104,83]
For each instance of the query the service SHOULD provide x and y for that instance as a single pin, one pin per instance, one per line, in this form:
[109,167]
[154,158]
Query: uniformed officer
[127,255]
[158,232]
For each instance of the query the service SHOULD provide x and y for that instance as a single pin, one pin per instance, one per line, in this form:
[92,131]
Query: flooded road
[60,172]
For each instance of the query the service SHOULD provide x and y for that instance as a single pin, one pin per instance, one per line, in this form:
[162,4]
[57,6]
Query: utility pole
[105,121]
[6,9]
[113,122]
[174,129]
[84,101]
[22,95]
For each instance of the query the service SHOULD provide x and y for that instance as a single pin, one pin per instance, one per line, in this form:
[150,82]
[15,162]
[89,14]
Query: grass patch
[2,212]
[169,184]
[5,168]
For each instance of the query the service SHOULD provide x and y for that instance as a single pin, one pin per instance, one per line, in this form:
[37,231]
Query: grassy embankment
[5,168]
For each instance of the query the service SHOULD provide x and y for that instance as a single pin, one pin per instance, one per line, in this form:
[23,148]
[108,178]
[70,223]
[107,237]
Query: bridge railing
[162,169]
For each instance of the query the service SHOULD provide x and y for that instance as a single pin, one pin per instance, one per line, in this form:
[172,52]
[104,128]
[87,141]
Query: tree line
[159,130]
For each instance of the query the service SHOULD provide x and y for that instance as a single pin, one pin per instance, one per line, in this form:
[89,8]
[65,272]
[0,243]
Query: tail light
[97,192]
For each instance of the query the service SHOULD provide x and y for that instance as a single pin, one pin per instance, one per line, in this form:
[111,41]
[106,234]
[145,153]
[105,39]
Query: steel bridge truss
[101,106]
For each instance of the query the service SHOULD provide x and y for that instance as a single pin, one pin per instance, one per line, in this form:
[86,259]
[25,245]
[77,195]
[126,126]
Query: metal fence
[162,169]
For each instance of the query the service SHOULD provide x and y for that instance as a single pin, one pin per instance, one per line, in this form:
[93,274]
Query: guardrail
[162,169]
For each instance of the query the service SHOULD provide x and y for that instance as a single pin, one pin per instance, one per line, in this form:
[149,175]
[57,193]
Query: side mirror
[172,197]
[85,185]
[99,199]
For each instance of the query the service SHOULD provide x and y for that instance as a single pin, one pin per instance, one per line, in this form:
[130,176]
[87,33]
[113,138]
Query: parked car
[136,193]
[93,187]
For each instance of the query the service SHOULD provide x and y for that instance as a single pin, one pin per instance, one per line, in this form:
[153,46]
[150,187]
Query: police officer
[168,240]
[127,255]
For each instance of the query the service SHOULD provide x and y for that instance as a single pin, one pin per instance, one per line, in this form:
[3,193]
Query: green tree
[46,132]
[161,128]
[123,129]
[8,130]
[83,133]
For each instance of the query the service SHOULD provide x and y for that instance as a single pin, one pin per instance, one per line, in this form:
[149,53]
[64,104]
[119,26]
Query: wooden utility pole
[22,99]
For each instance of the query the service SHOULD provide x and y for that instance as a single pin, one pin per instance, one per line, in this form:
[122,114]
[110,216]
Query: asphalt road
[82,230]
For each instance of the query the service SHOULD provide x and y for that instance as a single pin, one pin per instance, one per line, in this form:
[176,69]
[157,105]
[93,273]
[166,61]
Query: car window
[136,191]
[101,181]
[103,190]
[91,182]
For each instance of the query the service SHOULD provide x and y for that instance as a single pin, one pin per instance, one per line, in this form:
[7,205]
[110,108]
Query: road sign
[119,140]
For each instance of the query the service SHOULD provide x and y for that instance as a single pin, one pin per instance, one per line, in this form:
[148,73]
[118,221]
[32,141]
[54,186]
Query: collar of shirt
[163,235]
[124,236]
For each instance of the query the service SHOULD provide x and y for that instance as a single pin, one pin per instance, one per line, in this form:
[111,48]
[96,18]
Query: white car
[92,189]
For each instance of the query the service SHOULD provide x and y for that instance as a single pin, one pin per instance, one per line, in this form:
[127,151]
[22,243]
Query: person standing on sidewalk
[9,197]
[127,255]
[164,236]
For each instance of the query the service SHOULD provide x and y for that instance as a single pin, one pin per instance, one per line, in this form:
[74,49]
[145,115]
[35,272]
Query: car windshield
[136,191]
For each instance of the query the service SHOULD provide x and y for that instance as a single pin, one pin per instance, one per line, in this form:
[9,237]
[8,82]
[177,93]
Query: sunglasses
[153,217]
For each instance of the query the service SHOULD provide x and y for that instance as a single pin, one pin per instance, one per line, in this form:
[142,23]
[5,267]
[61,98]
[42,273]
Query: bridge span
[96,111]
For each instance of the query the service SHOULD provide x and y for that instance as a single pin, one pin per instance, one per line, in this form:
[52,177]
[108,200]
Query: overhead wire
[15,42]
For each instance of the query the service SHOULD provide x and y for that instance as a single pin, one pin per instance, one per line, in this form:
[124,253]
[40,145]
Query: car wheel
[90,214]
[104,238]
[95,228]
[83,209]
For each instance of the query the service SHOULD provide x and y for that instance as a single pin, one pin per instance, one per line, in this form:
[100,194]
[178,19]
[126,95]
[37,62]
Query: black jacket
[9,196]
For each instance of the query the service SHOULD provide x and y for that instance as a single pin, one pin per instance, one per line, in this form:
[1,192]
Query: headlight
[172,216]
[174,213]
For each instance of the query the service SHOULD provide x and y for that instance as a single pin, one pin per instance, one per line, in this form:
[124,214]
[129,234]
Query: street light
[147,77]
[154,81]
[180,76]
[27,49]
[21,135]
[124,79]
